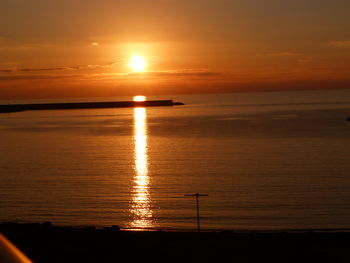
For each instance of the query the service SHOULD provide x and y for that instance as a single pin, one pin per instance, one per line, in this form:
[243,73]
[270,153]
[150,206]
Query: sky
[82,48]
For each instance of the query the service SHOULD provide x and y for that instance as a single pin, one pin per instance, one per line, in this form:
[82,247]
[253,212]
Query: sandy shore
[47,243]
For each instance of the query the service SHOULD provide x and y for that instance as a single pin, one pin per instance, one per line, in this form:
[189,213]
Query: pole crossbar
[197,195]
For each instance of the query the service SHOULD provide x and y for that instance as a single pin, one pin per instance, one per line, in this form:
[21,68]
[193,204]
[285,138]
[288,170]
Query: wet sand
[47,243]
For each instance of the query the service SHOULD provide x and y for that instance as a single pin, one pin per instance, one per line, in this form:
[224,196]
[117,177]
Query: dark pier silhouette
[7,108]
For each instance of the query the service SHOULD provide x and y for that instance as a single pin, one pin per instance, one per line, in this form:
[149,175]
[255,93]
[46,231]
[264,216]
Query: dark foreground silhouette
[46,243]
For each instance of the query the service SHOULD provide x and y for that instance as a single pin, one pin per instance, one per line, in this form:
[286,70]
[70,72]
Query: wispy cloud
[159,74]
[281,54]
[149,74]
[80,67]
[340,44]
[182,72]
[7,44]
[177,73]
[46,69]
[301,60]
[37,77]
[11,70]
[6,70]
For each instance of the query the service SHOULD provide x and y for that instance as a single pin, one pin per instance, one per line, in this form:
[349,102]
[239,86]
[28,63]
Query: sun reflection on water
[141,202]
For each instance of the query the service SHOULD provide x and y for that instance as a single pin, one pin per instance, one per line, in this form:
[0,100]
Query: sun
[138,63]
[139,98]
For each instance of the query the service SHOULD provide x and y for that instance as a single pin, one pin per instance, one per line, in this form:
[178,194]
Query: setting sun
[138,63]
[139,98]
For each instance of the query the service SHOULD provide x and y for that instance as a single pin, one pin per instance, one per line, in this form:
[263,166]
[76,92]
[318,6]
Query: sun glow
[138,63]
[139,98]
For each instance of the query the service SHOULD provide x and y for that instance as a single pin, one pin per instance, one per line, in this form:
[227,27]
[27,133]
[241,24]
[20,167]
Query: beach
[48,243]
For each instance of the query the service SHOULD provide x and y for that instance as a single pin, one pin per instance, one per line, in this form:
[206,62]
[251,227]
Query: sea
[260,161]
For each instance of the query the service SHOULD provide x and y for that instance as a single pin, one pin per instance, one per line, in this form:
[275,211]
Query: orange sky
[82,48]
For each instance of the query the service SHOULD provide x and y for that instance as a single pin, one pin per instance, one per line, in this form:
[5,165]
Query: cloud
[12,45]
[36,77]
[301,61]
[179,73]
[29,73]
[80,67]
[37,69]
[6,70]
[95,44]
[282,54]
[46,69]
[340,44]
[165,73]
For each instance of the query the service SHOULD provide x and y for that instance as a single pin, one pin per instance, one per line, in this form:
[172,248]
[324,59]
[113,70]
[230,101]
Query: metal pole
[197,195]
[198,225]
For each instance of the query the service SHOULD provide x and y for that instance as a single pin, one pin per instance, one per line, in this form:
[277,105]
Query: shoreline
[45,224]
[48,243]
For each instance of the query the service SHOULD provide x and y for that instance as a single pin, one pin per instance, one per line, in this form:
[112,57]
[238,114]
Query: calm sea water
[266,160]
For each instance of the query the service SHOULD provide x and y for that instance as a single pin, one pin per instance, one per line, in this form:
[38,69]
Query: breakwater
[86,105]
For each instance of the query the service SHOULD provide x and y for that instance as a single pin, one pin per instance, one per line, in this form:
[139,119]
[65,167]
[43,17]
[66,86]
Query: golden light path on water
[141,202]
